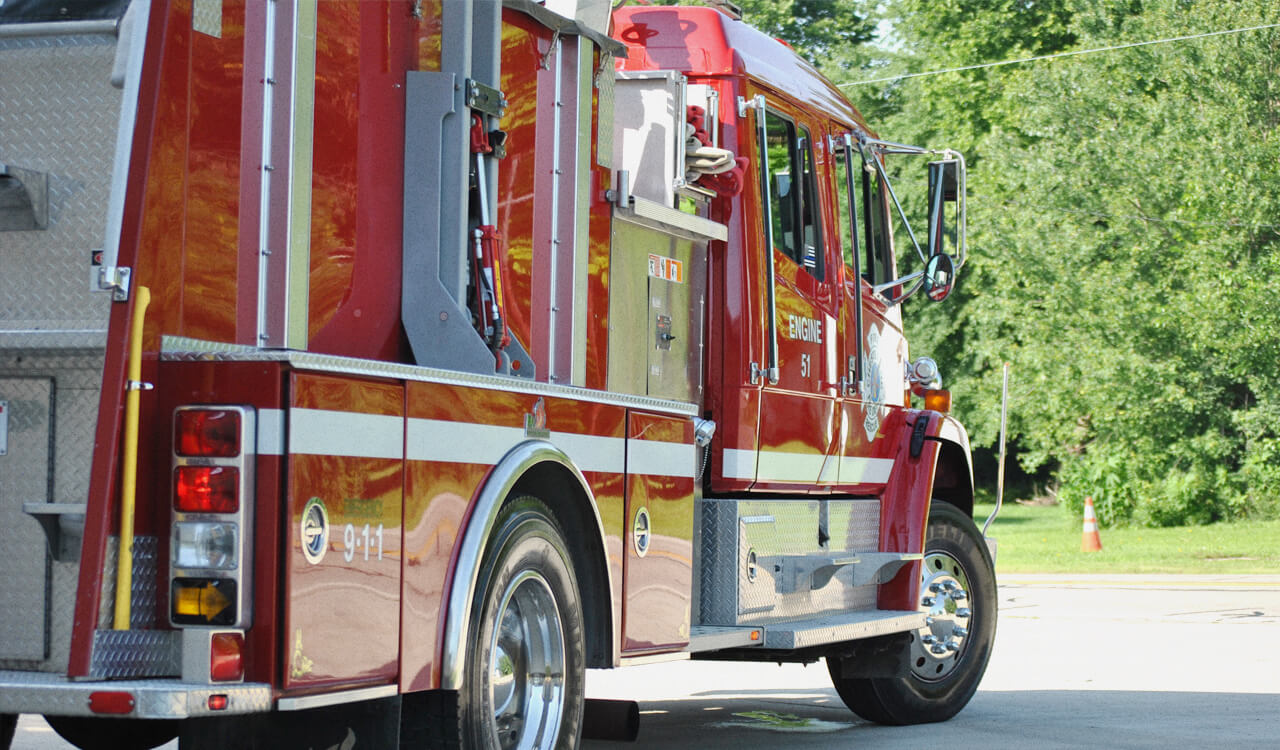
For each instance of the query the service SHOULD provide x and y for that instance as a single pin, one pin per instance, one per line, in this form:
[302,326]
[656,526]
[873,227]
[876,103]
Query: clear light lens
[205,545]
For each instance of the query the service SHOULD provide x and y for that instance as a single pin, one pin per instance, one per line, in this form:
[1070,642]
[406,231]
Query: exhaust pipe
[616,721]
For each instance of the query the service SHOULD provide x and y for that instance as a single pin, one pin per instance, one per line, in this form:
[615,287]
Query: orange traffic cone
[1091,541]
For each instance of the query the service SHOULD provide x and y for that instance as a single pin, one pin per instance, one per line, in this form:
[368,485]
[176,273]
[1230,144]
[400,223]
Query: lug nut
[959,595]
[938,649]
[960,632]
[963,612]
[927,601]
[953,646]
[929,640]
[935,588]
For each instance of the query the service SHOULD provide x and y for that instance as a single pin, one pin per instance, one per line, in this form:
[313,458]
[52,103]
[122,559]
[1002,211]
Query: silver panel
[334,699]
[764,533]
[145,582]
[645,302]
[24,477]
[714,638]
[31,692]
[119,654]
[648,139]
[58,116]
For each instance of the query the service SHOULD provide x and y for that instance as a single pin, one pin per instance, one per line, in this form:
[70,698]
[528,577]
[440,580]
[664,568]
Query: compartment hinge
[115,279]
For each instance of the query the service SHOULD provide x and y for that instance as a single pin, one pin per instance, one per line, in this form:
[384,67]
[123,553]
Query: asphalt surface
[1080,661]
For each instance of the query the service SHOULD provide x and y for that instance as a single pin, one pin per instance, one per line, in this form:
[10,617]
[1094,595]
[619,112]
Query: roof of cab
[702,41]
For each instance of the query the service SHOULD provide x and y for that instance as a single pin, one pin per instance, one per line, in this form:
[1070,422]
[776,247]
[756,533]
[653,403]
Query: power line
[1061,54]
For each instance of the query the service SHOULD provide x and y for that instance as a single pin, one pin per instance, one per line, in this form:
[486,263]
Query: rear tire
[524,675]
[962,610]
[90,733]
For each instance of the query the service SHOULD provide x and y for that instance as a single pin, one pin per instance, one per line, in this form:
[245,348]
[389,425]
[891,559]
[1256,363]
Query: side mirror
[939,277]
[942,190]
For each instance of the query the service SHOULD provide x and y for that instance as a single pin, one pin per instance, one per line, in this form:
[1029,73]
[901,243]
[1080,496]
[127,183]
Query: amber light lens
[203,601]
[226,663]
[207,433]
[938,400]
[206,489]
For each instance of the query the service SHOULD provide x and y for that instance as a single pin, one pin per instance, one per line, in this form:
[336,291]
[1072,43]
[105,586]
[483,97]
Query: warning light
[218,702]
[206,489]
[203,601]
[937,399]
[207,433]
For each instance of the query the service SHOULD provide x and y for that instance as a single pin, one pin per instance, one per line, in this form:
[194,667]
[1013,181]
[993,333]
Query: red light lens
[212,433]
[218,702]
[111,702]
[206,489]
[225,661]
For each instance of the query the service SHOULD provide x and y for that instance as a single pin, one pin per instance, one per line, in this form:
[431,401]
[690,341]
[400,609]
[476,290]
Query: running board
[817,631]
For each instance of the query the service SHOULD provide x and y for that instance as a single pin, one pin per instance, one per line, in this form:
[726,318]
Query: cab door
[873,350]
[798,416]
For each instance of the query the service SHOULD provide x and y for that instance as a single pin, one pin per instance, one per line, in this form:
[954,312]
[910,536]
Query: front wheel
[949,654]
[524,683]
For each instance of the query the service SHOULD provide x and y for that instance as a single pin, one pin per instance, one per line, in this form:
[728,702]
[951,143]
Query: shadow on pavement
[1039,719]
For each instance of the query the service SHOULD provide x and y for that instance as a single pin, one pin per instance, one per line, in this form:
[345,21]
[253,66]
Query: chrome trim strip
[649,213]
[484,516]
[138,17]
[333,699]
[58,28]
[177,349]
[781,466]
[302,106]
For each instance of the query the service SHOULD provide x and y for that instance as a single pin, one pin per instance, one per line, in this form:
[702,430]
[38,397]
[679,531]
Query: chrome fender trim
[484,516]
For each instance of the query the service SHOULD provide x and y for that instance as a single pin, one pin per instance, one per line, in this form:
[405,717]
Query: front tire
[524,682]
[949,655]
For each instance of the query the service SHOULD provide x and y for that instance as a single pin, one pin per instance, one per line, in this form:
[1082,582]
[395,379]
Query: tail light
[210,561]
[226,663]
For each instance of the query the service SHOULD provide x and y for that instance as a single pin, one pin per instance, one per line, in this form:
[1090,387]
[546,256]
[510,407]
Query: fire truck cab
[374,368]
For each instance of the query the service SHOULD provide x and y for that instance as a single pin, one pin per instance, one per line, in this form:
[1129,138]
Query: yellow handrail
[129,473]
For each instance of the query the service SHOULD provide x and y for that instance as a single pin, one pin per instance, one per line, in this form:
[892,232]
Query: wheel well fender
[534,467]
[953,472]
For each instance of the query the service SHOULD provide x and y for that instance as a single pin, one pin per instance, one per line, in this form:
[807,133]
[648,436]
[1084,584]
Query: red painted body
[402,455]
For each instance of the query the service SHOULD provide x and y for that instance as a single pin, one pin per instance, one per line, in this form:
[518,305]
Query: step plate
[838,628]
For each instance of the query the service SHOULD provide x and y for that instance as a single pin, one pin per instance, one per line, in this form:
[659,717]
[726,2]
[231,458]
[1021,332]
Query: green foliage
[1125,226]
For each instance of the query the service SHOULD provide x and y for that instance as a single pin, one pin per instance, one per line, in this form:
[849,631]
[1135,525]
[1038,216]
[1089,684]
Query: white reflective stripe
[469,443]
[789,467]
[270,432]
[592,452]
[738,464]
[459,442]
[320,432]
[656,458]
[830,473]
[868,470]
[779,466]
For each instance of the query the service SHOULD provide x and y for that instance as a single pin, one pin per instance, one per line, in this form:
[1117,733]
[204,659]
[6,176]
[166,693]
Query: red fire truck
[370,369]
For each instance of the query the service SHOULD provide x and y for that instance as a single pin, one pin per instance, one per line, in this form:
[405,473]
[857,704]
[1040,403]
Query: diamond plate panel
[24,477]
[73,403]
[121,654]
[31,692]
[206,17]
[58,116]
[145,584]
[735,530]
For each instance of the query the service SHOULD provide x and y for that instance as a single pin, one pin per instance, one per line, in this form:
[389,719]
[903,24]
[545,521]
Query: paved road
[1081,661]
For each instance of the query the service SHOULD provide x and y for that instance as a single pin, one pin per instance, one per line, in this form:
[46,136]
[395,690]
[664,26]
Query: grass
[1046,539]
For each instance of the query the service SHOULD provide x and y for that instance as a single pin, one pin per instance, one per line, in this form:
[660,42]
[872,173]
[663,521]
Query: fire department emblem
[872,385]
[315,531]
[535,422]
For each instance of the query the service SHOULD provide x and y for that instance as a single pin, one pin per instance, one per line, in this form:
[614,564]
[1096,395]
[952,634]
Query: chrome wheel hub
[944,598]
[526,689]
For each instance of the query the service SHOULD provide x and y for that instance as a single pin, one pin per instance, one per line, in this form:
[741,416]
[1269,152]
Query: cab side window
[877,240]
[794,219]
